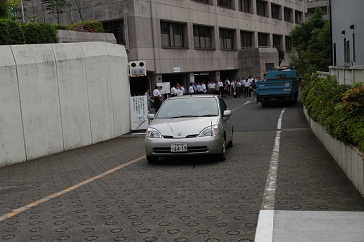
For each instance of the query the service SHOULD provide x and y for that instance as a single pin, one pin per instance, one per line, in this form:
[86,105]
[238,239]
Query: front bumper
[195,146]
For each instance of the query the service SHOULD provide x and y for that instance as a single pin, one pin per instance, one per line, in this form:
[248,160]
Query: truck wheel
[295,97]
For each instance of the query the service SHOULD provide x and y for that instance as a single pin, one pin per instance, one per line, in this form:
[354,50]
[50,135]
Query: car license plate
[178,147]
[273,98]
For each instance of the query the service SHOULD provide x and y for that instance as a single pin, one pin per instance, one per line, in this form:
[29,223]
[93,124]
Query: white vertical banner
[139,112]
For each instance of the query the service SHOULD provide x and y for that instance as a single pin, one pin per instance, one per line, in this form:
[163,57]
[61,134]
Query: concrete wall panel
[73,95]
[56,97]
[38,87]
[120,88]
[11,130]
[99,90]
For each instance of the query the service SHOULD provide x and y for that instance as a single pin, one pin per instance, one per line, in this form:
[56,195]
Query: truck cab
[281,85]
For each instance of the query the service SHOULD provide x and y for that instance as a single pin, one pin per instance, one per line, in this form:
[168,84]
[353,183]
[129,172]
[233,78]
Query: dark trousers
[157,103]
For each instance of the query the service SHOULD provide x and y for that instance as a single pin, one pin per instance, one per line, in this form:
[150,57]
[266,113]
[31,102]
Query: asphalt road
[64,197]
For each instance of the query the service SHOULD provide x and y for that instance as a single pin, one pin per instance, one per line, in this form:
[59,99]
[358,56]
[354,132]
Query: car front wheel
[152,159]
[222,155]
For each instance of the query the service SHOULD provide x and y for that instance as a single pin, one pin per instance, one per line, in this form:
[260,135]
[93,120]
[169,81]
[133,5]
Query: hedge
[39,33]
[339,108]
[15,33]
[10,32]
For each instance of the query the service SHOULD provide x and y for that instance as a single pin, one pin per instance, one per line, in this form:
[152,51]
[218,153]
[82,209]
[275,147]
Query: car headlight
[153,133]
[209,131]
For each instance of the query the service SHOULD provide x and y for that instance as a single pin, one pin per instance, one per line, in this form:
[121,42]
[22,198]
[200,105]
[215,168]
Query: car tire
[230,144]
[222,155]
[152,159]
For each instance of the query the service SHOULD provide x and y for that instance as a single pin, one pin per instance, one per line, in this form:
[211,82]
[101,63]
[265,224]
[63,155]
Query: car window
[223,106]
[188,107]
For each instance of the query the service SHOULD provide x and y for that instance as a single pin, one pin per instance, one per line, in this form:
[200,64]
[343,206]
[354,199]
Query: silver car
[189,125]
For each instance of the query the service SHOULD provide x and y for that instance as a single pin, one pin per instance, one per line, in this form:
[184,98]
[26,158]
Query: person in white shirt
[227,86]
[246,84]
[180,90]
[173,91]
[204,90]
[191,90]
[199,87]
[157,97]
[221,87]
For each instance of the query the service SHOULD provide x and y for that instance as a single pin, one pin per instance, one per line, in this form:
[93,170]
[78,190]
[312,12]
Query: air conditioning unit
[137,68]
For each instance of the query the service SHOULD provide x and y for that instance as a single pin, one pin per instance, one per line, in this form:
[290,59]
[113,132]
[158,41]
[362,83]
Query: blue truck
[281,85]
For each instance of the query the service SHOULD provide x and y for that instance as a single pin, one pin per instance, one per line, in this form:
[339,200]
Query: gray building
[192,40]
[347,40]
[348,32]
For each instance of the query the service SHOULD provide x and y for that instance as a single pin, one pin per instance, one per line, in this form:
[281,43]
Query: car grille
[167,150]
[188,136]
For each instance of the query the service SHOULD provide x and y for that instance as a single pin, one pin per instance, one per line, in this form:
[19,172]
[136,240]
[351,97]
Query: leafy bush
[87,26]
[10,32]
[15,33]
[60,26]
[39,33]
[339,108]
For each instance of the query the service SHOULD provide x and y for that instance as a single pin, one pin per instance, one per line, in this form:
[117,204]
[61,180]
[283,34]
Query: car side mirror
[227,113]
[150,116]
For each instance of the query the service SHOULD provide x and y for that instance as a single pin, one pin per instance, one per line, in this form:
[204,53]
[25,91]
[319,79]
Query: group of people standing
[235,88]
[240,87]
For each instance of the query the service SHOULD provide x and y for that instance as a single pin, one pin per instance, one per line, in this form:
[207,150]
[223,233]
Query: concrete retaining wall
[56,97]
[349,158]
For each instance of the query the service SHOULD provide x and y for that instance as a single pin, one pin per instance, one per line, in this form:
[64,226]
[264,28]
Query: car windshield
[188,107]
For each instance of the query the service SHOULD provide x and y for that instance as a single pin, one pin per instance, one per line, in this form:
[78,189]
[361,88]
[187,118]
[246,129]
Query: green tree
[58,7]
[281,54]
[312,44]
[3,9]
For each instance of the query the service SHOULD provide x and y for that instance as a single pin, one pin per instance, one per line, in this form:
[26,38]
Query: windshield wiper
[184,116]
[208,115]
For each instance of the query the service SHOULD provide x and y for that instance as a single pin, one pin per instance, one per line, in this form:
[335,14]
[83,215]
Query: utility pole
[22,10]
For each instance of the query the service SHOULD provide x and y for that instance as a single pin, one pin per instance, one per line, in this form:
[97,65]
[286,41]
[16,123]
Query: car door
[227,122]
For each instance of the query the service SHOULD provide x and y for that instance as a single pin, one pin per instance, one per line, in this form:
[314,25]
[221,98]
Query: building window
[277,40]
[224,3]
[202,1]
[202,37]
[276,11]
[226,39]
[262,8]
[334,54]
[344,50]
[245,6]
[288,44]
[354,57]
[117,28]
[347,54]
[263,40]
[172,35]
[298,17]
[247,39]
[288,17]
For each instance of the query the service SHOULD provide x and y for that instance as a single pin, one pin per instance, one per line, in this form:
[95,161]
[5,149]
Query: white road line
[264,232]
[240,106]
[67,190]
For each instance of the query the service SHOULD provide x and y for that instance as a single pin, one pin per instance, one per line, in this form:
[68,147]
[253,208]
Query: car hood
[182,127]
